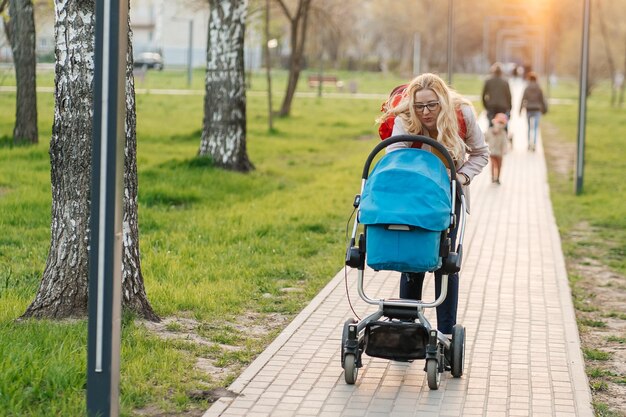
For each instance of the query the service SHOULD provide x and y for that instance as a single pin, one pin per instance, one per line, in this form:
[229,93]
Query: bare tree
[334,40]
[331,34]
[224,125]
[612,14]
[20,30]
[607,48]
[63,290]
[297,39]
[393,35]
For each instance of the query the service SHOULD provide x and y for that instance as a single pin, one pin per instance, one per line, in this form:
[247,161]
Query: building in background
[167,27]
[170,27]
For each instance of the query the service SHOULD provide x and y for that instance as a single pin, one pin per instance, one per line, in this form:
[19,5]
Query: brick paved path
[522,347]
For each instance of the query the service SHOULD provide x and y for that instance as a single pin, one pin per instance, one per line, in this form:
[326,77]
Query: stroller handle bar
[409,138]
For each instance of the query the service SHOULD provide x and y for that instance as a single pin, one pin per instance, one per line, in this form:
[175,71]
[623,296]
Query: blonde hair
[447,124]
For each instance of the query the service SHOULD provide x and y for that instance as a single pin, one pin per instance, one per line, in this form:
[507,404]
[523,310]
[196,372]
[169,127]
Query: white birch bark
[64,287]
[224,125]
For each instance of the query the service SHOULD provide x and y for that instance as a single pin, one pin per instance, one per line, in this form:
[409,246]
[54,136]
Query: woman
[430,108]
[535,104]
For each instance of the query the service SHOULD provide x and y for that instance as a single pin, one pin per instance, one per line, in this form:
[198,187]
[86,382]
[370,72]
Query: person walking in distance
[535,104]
[496,95]
[498,144]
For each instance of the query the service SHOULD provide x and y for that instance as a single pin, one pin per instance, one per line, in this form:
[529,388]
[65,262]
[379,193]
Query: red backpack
[396,95]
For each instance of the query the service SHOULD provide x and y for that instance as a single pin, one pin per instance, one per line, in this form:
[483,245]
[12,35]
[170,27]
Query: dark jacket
[497,95]
[533,99]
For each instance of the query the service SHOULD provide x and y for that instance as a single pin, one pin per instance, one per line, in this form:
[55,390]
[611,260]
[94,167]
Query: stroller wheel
[344,337]
[350,369]
[432,374]
[458,350]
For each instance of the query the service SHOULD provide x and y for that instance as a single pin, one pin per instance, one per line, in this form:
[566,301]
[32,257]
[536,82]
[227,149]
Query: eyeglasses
[432,106]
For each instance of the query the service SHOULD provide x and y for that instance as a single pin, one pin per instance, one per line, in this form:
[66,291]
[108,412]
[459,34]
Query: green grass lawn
[221,249]
[592,226]
[218,248]
[600,208]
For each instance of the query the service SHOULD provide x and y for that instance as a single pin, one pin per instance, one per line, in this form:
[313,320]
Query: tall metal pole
[268,67]
[190,54]
[582,98]
[321,76]
[417,53]
[105,256]
[450,39]
[547,64]
[486,44]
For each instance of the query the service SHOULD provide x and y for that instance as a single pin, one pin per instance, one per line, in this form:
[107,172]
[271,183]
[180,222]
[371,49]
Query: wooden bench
[327,81]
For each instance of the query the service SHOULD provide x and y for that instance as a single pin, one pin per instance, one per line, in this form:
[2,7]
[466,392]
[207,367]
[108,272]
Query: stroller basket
[397,341]
[405,206]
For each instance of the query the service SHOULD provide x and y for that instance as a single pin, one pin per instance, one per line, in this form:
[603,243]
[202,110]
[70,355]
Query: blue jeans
[533,125]
[411,288]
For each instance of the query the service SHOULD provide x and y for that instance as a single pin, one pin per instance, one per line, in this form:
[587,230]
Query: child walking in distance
[496,138]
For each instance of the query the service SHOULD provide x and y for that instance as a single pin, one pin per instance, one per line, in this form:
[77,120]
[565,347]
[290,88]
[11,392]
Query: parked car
[152,60]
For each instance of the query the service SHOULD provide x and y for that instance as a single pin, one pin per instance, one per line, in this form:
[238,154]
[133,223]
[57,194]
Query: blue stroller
[406,210]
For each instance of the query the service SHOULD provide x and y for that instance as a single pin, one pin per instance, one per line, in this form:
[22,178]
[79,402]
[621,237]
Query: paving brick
[522,346]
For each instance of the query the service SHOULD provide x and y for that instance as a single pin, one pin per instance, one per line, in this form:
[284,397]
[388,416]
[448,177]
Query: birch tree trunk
[64,287]
[21,33]
[224,124]
[134,295]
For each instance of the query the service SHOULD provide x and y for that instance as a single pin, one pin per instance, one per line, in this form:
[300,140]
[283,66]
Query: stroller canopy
[408,187]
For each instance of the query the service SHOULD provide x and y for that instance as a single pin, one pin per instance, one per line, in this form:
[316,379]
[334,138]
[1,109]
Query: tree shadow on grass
[186,138]
[194,136]
[182,183]
[169,198]
[184,166]
[6,142]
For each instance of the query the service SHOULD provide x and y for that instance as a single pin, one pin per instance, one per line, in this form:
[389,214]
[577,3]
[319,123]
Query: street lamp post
[105,240]
[270,44]
[189,47]
[582,98]
[417,46]
[450,39]
[190,54]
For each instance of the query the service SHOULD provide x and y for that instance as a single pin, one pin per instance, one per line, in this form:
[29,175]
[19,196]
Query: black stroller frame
[406,322]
